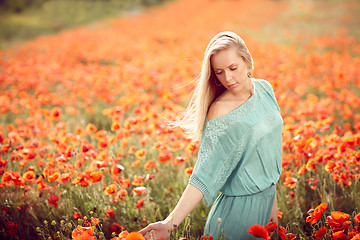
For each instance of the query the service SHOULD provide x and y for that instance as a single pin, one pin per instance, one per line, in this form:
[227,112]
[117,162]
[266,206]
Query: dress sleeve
[220,152]
[269,89]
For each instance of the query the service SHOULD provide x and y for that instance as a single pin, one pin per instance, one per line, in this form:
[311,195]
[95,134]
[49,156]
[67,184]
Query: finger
[147,236]
[145,230]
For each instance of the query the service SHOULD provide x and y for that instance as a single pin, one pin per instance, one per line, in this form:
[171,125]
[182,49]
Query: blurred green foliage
[21,20]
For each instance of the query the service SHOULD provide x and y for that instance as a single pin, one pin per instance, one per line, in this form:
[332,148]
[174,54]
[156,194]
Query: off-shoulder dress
[240,157]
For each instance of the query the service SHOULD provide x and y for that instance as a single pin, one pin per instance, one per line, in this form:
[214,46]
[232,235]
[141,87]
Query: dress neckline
[238,107]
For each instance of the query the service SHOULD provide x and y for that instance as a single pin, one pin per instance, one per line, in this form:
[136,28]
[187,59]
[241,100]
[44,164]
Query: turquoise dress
[240,156]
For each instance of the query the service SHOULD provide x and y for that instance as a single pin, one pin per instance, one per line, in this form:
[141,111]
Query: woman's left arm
[274,212]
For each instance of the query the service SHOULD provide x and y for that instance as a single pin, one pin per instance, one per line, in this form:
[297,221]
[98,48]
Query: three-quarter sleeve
[220,152]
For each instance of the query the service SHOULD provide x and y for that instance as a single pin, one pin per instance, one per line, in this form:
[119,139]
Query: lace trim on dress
[251,137]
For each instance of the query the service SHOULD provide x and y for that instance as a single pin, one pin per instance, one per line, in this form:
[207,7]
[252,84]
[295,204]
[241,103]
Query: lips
[232,85]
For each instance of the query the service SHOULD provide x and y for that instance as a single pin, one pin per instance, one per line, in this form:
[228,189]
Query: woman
[240,155]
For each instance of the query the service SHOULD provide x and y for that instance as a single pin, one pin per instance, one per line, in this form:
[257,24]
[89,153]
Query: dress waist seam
[266,190]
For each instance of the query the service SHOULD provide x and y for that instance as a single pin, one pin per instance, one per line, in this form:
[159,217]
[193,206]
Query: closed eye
[233,68]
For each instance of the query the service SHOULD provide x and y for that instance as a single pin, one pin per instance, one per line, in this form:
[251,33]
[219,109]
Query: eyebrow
[227,66]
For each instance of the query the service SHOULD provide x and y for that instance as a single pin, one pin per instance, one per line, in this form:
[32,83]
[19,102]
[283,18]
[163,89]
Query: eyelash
[232,69]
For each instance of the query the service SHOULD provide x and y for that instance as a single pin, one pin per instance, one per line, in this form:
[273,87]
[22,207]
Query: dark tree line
[20,5]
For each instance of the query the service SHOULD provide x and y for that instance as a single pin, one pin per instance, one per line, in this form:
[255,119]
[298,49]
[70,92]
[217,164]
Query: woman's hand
[156,231]
[188,201]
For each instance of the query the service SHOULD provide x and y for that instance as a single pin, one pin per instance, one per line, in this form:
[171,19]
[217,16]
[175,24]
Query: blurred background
[299,21]
[25,19]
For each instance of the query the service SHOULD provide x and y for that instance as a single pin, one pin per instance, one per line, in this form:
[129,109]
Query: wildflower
[96,176]
[29,175]
[270,226]
[207,238]
[53,176]
[55,113]
[132,149]
[95,221]
[12,227]
[319,234]
[83,233]
[357,217]
[111,189]
[81,179]
[315,214]
[117,169]
[53,200]
[140,203]
[109,212]
[115,126]
[149,177]
[77,215]
[139,190]
[137,181]
[290,182]
[90,128]
[140,153]
[356,237]
[123,193]
[135,236]
[179,160]
[259,232]
[150,164]
[115,227]
[338,235]
[338,221]
[284,234]
[188,171]
[123,234]
[5,148]
[164,155]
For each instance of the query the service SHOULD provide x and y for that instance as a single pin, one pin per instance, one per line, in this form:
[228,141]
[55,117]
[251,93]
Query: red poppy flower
[115,227]
[117,169]
[357,217]
[83,233]
[135,236]
[111,189]
[259,231]
[188,171]
[109,212]
[320,233]
[270,226]
[53,200]
[140,153]
[207,238]
[12,227]
[139,190]
[95,221]
[315,214]
[77,215]
[284,235]
[96,176]
[140,203]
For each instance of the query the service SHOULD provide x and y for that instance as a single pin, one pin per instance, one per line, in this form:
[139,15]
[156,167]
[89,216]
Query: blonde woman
[238,122]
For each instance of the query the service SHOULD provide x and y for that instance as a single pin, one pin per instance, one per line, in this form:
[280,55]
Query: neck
[246,92]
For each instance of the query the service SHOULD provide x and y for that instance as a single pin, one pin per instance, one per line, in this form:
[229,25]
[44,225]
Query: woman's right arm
[188,201]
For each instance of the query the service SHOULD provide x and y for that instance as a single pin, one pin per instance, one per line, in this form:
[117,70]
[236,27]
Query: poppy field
[86,151]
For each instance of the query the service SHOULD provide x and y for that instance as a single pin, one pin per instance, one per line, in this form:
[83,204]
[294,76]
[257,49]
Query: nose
[228,76]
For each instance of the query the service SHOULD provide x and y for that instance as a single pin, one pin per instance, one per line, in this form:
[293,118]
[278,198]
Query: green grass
[53,16]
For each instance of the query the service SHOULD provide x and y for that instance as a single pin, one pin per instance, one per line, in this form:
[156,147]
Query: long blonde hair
[206,91]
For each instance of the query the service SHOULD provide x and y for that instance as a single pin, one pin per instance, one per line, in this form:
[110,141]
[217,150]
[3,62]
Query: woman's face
[230,69]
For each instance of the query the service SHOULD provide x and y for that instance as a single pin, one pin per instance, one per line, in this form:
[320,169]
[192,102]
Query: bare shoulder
[216,109]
